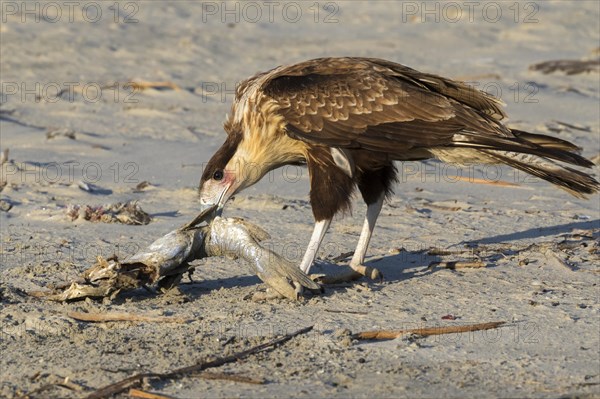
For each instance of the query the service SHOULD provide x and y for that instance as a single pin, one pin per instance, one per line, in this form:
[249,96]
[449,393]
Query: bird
[348,119]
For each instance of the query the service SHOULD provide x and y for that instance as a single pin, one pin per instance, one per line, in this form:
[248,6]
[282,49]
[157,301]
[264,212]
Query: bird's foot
[367,271]
[347,273]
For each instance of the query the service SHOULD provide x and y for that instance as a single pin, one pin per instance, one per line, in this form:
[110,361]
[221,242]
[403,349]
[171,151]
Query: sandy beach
[108,102]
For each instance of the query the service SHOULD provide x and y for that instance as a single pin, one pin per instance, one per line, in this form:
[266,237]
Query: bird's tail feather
[547,141]
[527,143]
[573,181]
[531,153]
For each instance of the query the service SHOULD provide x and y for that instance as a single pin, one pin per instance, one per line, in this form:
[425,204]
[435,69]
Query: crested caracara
[348,119]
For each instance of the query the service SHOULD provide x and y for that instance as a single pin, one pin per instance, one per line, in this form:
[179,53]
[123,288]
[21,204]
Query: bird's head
[228,172]
[256,144]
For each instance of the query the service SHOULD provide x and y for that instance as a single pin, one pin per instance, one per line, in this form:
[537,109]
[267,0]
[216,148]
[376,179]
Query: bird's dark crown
[220,159]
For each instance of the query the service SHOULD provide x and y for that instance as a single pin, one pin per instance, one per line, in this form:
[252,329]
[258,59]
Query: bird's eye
[218,175]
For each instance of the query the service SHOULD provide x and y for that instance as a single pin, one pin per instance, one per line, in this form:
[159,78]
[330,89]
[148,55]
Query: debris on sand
[4,156]
[53,133]
[143,85]
[3,182]
[426,331]
[140,187]
[127,213]
[457,265]
[570,67]
[5,206]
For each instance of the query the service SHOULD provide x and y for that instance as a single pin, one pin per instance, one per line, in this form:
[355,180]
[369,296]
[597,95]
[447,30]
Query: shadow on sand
[399,267]
[538,232]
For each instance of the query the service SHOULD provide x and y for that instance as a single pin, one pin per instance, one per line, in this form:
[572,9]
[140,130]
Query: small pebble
[5,206]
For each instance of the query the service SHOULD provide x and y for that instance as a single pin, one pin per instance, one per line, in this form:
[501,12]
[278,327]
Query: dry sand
[114,139]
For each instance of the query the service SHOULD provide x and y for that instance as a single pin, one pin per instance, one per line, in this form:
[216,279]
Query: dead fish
[236,237]
[167,259]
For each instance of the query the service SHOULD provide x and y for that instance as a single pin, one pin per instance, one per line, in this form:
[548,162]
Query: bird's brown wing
[459,91]
[358,103]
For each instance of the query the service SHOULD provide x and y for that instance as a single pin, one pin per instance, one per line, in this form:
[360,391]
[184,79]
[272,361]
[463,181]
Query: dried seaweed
[127,213]
[570,67]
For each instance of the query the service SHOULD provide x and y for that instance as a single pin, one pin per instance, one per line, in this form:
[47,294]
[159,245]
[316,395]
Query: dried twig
[117,316]
[136,393]
[457,265]
[67,383]
[345,311]
[230,377]
[342,256]
[427,331]
[444,252]
[500,183]
[122,385]
[142,85]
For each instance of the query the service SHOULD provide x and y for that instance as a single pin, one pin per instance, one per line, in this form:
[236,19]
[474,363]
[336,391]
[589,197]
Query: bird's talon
[317,278]
[299,290]
[374,274]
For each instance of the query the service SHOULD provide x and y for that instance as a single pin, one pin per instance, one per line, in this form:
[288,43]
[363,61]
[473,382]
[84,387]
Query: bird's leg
[315,242]
[356,268]
[358,258]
